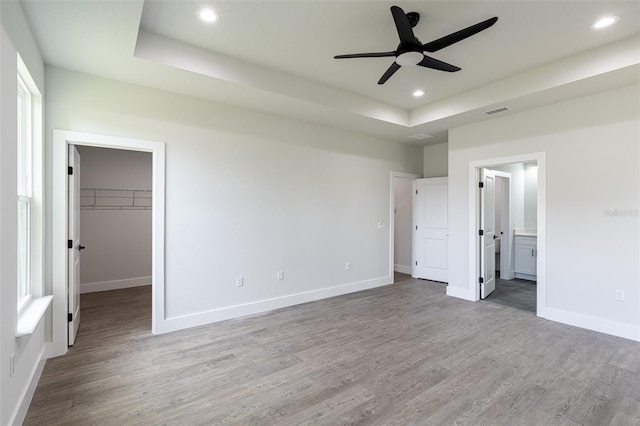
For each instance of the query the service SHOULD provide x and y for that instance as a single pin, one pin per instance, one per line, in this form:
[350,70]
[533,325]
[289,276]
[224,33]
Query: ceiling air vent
[421,136]
[497,110]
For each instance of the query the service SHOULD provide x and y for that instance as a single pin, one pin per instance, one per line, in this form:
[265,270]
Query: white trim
[260,306]
[474,242]
[25,399]
[114,284]
[402,269]
[392,225]
[627,331]
[62,138]
[30,316]
[461,293]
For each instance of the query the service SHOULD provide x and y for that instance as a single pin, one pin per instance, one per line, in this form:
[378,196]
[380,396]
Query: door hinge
[480,184]
[481,232]
[69,317]
[416,192]
[69,244]
[416,263]
[70,170]
[481,280]
[416,227]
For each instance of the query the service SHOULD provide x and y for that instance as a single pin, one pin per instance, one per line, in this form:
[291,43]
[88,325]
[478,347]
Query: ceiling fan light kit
[410,51]
[409,59]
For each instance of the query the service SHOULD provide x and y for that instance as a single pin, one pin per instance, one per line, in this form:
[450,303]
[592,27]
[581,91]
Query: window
[32,302]
[25,147]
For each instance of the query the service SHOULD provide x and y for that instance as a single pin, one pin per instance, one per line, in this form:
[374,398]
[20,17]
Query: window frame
[25,148]
[31,307]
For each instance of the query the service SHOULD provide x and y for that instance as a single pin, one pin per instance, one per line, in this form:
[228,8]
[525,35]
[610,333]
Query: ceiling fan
[410,51]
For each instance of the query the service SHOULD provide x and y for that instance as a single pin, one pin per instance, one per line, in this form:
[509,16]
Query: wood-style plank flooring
[404,354]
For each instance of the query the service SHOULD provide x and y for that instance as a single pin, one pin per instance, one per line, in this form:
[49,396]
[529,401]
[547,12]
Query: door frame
[59,226]
[401,175]
[474,220]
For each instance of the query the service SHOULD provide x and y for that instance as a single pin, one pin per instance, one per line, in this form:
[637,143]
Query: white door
[430,230]
[487,232]
[74,244]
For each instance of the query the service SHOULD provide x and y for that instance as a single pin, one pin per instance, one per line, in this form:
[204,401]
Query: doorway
[61,141]
[514,241]
[115,214]
[529,232]
[400,235]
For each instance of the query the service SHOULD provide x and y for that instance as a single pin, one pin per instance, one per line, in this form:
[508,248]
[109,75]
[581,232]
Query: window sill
[30,316]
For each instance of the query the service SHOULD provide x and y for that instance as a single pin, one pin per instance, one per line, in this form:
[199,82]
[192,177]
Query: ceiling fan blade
[452,38]
[389,72]
[366,55]
[403,26]
[435,64]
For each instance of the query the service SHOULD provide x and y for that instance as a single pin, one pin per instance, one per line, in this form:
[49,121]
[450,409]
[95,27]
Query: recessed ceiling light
[418,93]
[208,15]
[604,22]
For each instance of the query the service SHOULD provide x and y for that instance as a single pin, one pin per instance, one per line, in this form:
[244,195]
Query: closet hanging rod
[115,199]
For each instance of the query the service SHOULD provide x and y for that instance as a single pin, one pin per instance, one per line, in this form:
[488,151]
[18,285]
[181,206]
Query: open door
[73,310]
[430,229]
[487,232]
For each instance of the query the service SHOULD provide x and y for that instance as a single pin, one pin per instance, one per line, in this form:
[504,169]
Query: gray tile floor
[516,293]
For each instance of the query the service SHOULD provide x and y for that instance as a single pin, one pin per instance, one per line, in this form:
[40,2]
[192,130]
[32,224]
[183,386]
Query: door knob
[81,247]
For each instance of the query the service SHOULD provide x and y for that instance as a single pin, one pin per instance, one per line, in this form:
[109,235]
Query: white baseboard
[114,285]
[215,315]
[402,269]
[460,293]
[25,401]
[613,328]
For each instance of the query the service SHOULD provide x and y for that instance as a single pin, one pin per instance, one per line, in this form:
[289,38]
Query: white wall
[248,194]
[402,227]
[15,390]
[592,163]
[118,242]
[435,160]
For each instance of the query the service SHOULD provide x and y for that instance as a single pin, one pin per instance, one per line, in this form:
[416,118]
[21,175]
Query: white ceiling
[277,56]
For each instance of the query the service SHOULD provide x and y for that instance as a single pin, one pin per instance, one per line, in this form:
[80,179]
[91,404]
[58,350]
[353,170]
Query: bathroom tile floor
[516,293]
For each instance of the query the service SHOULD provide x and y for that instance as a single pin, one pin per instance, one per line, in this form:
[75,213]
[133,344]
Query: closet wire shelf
[115,199]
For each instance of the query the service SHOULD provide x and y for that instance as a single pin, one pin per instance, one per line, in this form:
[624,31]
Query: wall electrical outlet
[280,275]
[347,266]
[619,296]
[239,281]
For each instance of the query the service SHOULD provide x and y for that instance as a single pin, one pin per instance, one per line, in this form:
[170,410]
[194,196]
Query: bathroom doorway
[507,230]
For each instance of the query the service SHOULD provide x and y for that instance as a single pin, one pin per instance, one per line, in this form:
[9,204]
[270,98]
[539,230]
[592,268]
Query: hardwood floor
[398,355]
